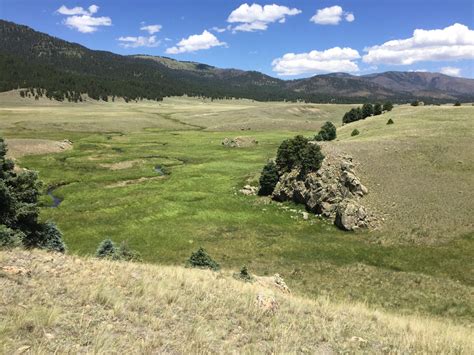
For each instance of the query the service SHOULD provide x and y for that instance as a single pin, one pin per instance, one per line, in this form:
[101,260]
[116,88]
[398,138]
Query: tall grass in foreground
[70,304]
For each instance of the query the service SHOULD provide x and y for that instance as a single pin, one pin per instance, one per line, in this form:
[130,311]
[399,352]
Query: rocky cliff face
[334,192]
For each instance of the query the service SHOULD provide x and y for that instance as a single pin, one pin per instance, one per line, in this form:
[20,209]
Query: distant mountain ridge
[33,59]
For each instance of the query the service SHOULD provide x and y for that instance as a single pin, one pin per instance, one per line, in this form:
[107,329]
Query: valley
[418,262]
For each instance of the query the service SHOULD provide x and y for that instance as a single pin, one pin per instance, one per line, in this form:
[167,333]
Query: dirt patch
[133,182]
[122,165]
[20,147]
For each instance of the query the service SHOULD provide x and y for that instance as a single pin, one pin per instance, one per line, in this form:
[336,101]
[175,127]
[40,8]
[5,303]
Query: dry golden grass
[65,304]
[18,147]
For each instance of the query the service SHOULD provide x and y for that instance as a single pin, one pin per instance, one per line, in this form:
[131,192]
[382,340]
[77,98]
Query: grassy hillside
[55,304]
[419,262]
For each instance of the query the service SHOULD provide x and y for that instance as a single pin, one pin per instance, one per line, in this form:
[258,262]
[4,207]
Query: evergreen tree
[268,179]
[388,106]
[327,132]
[298,153]
[19,213]
[377,109]
[106,249]
[201,259]
[367,110]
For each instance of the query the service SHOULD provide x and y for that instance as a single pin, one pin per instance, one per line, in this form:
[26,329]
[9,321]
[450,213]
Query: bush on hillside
[388,106]
[354,114]
[457,103]
[298,153]
[106,249]
[355,132]
[367,110]
[244,275]
[124,252]
[202,260]
[10,238]
[415,103]
[19,212]
[390,121]
[327,132]
[377,109]
[268,179]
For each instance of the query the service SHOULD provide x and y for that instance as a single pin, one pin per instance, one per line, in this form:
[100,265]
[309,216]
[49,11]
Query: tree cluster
[367,110]
[19,213]
[296,153]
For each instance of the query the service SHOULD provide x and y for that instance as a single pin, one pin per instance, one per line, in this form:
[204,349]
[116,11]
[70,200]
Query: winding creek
[56,200]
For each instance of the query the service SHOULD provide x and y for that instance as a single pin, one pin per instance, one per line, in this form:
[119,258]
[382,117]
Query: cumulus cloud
[256,17]
[82,19]
[195,43]
[139,41]
[451,71]
[331,16]
[151,29]
[330,60]
[454,42]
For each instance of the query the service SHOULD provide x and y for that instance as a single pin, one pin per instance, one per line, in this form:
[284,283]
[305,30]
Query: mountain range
[31,59]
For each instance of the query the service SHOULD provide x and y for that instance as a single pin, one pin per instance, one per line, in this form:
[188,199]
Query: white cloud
[93,9]
[194,43]
[218,29]
[152,29]
[140,41]
[256,17]
[64,10]
[83,20]
[331,16]
[455,42]
[86,23]
[451,71]
[330,60]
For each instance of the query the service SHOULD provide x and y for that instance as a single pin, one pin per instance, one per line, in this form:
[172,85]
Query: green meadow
[418,262]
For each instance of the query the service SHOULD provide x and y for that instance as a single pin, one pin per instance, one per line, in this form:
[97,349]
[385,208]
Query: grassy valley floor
[418,171]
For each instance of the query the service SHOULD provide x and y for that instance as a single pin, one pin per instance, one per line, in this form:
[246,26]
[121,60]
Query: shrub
[390,121]
[327,132]
[268,179]
[354,114]
[298,153]
[10,238]
[388,106]
[50,238]
[367,110]
[377,109]
[355,132]
[415,103]
[312,159]
[106,249]
[201,259]
[125,253]
[457,103]
[244,275]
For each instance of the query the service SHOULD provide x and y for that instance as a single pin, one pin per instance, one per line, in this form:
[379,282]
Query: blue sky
[288,39]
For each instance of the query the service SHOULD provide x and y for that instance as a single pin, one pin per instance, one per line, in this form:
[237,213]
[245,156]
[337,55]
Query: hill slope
[32,59]
[59,303]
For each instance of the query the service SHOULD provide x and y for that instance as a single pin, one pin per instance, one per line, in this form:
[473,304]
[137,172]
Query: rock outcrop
[239,142]
[334,191]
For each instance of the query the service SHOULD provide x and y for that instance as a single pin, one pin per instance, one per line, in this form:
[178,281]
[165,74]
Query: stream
[56,200]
